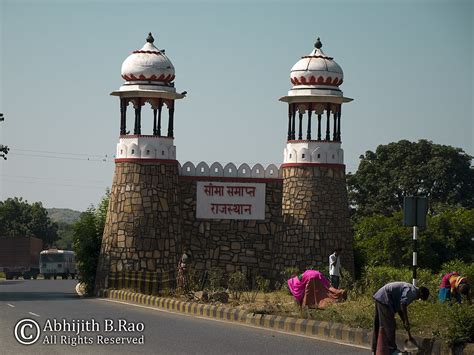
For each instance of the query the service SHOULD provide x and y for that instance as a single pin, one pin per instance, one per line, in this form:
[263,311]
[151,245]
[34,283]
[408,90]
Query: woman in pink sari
[313,289]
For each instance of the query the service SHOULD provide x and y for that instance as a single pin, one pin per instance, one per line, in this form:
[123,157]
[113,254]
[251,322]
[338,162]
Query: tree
[19,218]
[88,232]
[382,240]
[442,173]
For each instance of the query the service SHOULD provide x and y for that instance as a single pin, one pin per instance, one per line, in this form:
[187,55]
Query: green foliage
[384,177]
[236,284]
[216,278]
[357,314]
[382,240]
[464,269]
[263,284]
[64,215]
[19,218]
[65,235]
[87,241]
[285,275]
[289,272]
[460,322]
[377,276]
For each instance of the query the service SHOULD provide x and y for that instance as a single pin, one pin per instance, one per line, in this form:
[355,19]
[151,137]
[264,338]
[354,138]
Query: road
[164,333]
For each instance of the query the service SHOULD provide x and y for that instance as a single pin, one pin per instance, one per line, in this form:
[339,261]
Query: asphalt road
[45,301]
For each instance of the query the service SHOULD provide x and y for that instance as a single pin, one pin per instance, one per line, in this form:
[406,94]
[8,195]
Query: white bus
[54,263]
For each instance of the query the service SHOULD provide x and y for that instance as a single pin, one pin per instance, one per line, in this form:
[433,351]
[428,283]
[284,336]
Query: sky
[408,65]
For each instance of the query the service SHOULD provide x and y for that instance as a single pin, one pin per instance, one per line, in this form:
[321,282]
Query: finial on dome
[150,38]
[318,44]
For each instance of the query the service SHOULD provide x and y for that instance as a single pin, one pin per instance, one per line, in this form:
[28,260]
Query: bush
[377,276]
[464,269]
[87,238]
[383,240]
[216,278]
[236,284]
[460,321]
[86,244]
[289,272]
[263,284]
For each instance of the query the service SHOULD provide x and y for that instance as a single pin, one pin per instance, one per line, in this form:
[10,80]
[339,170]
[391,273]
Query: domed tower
[142,230]
[315,204]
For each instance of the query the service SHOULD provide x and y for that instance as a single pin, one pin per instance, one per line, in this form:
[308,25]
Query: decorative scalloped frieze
[230,170]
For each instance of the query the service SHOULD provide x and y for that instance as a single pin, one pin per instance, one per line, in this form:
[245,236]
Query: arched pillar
[123,116]
[171,118]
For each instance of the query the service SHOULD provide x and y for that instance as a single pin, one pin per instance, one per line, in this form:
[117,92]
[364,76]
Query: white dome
[148,64]
[316,69]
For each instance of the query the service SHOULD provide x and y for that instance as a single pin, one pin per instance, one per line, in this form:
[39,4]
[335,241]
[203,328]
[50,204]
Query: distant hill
[65,215]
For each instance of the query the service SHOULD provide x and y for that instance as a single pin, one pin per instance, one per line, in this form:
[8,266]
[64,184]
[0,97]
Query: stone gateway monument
[255,219]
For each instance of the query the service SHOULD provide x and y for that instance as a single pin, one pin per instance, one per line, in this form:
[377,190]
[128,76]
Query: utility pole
[414,215]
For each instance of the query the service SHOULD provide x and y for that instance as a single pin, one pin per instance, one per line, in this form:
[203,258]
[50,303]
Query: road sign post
[414,215]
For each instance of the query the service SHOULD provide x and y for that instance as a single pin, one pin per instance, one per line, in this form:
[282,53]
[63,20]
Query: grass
[427,319]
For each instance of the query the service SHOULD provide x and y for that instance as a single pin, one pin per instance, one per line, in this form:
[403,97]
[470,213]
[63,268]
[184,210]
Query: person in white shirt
[335,267]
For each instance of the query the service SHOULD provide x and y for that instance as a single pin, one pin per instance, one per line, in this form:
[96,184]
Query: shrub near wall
[377,276]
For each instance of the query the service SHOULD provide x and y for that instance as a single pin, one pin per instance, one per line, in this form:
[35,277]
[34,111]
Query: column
[319,127]
[328,116]
[293,115]
[138,119]
[123,117]
[171,118]
[289,121]
[308,132]
[300,126]
[339,125]
[155,131]
[160,107]
[334,132]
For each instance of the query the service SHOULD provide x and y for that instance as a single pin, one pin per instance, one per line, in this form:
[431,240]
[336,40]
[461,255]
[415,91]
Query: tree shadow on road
[7,283]
[37,296]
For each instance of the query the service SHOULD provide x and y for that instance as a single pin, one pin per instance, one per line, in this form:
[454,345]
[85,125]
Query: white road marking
[12,306]
[34,314]
[238,324]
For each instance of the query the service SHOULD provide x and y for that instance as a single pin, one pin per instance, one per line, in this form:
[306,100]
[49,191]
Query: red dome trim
[312,81]
[148,52]
[131,77]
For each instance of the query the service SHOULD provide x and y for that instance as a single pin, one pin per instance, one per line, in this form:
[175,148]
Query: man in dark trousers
[393,298]
[335,267]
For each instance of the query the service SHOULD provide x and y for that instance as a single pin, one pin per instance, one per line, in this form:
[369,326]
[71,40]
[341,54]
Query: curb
[328,331]
[335,332]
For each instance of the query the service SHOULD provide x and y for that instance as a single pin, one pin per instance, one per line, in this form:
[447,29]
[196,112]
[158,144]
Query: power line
[46,178]
[61,153]
[55,184]
[108,160]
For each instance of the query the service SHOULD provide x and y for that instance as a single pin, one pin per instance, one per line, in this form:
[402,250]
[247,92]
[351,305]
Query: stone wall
[142,231]
[232,245]
[315,213]
[152,219]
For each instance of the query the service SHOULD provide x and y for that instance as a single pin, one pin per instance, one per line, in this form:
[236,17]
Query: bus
[54,263]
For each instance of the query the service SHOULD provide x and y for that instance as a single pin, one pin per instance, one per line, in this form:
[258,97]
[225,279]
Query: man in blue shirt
[393,298]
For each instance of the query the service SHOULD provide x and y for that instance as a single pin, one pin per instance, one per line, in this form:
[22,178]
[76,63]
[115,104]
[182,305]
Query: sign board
[414,211]
[230,200]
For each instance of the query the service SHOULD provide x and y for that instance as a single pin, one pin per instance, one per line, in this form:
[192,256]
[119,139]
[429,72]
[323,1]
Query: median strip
[328,331]
[319,330]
